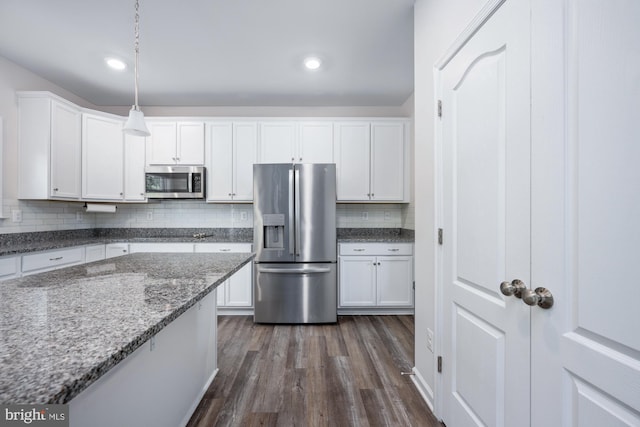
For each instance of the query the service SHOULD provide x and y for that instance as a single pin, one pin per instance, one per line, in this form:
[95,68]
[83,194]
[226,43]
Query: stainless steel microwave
[175,182]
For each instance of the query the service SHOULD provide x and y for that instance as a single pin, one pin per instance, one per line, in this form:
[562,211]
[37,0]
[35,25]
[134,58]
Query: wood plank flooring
[347,374]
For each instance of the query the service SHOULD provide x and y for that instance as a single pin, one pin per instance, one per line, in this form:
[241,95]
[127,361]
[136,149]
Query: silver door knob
[541,297]
[515,288]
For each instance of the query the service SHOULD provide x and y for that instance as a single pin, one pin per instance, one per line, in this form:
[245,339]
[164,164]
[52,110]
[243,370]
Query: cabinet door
[239,288]
[315,143]
[161,145]
[219,161]
[160,247]
[66,136]
[134,161]
[102,158]
[387,161]
[9,267]
[395,281]
[357,281]
[245,154]
[190,143]
[94,253]
[352,160]
[277,142]
[113,250]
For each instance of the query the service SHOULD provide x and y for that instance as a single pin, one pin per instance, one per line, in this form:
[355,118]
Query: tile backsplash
[50,216]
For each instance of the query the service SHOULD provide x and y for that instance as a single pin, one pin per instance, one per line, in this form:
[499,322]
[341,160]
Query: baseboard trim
[197,401]
[423,388]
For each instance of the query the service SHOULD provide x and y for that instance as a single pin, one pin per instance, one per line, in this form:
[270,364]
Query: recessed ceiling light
[312,63]
[116,64]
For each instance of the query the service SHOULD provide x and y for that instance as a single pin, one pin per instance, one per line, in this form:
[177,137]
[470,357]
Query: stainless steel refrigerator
[294,236]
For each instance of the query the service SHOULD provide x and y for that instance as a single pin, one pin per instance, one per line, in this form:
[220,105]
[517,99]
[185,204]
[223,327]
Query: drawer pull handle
[56,258]
[393,250]
[224,250]
[358,250]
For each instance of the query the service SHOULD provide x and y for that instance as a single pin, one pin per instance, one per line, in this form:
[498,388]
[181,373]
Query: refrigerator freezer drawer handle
[294,270]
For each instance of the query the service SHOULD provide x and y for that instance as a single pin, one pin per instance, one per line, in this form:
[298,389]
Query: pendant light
[135,123]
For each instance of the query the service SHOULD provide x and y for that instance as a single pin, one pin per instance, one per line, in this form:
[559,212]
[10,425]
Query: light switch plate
[16,215]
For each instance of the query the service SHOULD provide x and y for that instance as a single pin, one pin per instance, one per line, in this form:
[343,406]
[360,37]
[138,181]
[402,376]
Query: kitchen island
[62,330]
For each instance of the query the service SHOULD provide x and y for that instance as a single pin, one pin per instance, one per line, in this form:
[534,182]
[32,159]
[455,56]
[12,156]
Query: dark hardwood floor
[347,374]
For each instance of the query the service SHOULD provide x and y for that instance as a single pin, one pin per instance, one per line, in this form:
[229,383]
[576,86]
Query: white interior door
[486,222]
[586,209]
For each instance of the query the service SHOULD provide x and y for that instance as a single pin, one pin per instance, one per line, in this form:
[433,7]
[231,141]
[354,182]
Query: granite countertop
[14,244]
[20,243]
[375,235]
[61,330]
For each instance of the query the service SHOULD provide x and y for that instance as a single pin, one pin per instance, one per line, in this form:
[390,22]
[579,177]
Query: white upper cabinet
[315,142]
[371,161]
[134,162]
[352,160]
[231,151]
[102,158]
[388,153]
[296,142]
[49,132]
[175,143]
[277,142]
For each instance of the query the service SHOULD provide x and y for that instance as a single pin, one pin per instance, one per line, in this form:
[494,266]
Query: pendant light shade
[135,124]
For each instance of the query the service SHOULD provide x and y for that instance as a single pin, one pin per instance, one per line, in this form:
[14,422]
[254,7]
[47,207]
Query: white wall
[47,215]
[436,25]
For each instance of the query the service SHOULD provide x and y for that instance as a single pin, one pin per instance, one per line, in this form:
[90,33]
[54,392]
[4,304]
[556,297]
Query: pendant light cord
[137,51]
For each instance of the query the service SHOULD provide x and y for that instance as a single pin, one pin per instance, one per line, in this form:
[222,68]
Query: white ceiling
[218,52]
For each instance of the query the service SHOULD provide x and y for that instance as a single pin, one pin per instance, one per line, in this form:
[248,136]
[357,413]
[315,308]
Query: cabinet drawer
[51,260]
[9,267]
[375,249]
[113,250]
[94,253]
[223,247]
[160,247]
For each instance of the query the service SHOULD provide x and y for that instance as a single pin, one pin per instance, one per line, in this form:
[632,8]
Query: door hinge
[440,238]
[439,364]
[440,108]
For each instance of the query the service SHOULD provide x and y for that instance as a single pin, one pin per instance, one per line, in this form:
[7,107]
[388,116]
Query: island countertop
[62,330]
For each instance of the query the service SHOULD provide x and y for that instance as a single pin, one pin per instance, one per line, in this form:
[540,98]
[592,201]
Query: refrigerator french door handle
[297,211]
[294,270]
[291,219]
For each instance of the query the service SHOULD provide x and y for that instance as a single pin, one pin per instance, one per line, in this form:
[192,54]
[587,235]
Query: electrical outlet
[365,216]
[387,216]
[16,216]
[430,339]
[149,215]
[79,216]
[243,215]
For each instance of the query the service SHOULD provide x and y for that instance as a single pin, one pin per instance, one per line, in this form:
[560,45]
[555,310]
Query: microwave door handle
[190,183]
[291,219]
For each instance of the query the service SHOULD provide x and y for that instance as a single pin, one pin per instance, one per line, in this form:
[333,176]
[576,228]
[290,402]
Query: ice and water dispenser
[273,231]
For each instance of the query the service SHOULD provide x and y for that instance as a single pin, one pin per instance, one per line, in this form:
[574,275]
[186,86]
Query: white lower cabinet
[52,260]
[375,276]
[160,247]
[160,383]
[94,253]
[9,267]
[113,250]
[237,291]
